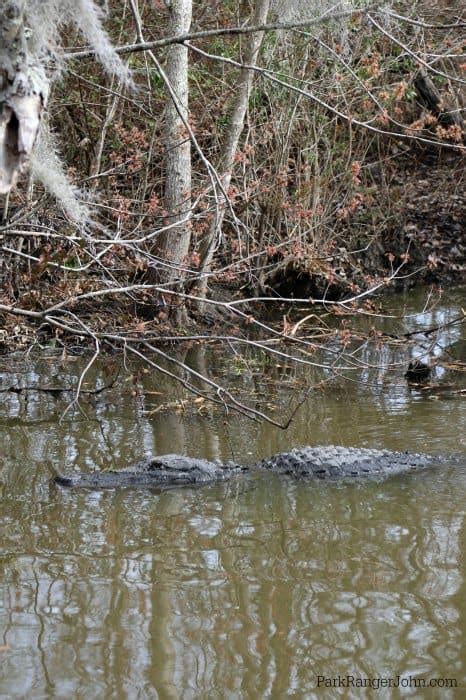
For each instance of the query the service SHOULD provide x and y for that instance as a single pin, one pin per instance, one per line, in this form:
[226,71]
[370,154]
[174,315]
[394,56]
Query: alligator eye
[63,480]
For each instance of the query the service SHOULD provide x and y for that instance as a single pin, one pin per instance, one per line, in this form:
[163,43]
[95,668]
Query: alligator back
[332,462]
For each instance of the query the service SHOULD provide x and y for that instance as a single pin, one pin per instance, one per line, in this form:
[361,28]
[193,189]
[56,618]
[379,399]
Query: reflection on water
[251,588]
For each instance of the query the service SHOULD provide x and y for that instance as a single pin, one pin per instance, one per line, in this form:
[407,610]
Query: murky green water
[247,589]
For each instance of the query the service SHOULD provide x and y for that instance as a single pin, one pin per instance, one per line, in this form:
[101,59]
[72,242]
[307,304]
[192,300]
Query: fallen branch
[57,390]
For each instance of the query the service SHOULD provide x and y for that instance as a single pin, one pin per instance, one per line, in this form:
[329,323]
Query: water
[247,589]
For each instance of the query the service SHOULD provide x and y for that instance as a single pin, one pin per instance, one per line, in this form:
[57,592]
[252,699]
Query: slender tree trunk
[172,246]
[230,145]
[23,94]
[112,106]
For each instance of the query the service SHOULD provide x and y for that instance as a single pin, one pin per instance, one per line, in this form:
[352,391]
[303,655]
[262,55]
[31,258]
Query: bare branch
[327,16]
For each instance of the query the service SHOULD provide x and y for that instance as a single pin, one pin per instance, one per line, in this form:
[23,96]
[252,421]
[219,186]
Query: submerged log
[418,372]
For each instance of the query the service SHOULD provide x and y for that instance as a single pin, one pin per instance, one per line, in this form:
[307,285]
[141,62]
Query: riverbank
[409,229]
[416,236]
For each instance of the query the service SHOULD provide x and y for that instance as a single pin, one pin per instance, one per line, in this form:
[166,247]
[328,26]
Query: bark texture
[173,244]
[442,107]
[23,94]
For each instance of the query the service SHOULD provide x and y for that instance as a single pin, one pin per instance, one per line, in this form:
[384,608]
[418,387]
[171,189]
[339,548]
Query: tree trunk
[442,107]
[172,246]
[230,145]
[23,94]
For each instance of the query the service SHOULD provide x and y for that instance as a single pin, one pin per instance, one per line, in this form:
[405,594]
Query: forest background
[199,168]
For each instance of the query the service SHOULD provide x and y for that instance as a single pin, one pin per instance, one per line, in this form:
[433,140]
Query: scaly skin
[333,462]
[164,470]
[322,462]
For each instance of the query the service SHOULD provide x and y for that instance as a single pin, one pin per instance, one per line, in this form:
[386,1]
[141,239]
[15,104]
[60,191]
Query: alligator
[321,462]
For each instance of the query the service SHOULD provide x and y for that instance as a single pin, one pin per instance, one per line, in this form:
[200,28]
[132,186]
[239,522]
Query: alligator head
[152,471]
